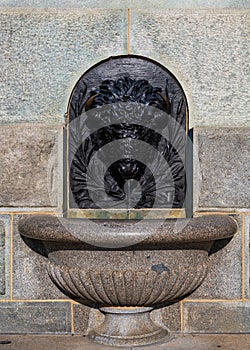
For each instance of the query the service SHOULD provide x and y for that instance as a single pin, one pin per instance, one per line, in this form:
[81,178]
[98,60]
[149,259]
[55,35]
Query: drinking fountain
[128,241]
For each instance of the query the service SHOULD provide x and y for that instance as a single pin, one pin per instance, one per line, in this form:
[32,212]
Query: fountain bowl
[127,271]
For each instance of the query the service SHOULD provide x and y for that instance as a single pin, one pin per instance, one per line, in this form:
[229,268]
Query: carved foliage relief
[127,137]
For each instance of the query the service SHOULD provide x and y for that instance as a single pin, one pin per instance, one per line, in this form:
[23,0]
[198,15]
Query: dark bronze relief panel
[127,137]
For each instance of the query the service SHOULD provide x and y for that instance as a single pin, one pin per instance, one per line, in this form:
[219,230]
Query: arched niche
[127,142]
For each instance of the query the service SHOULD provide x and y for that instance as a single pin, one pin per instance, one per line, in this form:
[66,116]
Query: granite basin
[127,268]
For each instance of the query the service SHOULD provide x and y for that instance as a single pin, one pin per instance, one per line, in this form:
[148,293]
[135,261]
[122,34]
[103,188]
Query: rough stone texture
[4,256]
[81,315]
[185,342]
[114,286]
[224,167]
[220,317]
[29,158]
[2,274]
[47,317]
[224,278]
[30,277]
[2,235]
[44,52]
[128,3]
[208,52]
[247,257]
[169,316]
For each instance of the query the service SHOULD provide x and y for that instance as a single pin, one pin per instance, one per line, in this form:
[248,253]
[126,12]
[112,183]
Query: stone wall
[45,47]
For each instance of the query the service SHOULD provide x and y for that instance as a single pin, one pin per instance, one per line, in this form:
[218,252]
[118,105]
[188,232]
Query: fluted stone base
[128,326]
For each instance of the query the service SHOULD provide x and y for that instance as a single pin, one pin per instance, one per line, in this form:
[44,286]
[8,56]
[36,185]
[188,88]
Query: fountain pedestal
[128,326]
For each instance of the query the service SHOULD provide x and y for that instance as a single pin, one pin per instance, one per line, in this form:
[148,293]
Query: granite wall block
[169,317]
[30,277]
[4,256]
[247,257]
[207,50]
[85,318]
[29,166]
[223,155]
[44,53]
[224,277]
[127,3]
[217,317]
[35,318]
